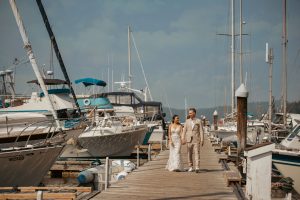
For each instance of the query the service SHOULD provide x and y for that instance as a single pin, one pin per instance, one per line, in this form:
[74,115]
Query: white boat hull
[27,167]
[118,144]
[223,134]
[157,135]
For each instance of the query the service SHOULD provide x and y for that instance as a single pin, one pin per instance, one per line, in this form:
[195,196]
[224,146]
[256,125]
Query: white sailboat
[27,165]
[114,134]
[113,131]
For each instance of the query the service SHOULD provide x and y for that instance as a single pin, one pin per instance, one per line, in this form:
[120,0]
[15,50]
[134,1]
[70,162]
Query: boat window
[101,114]
[125,100]
[295,132]
[278,119]
[112,99]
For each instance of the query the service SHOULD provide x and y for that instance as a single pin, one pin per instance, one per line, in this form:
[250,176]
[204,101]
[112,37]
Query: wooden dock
[153,181]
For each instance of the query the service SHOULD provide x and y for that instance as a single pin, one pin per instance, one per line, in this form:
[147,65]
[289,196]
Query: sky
[181,52]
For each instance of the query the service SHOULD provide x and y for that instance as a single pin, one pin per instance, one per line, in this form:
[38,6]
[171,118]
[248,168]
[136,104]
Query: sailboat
[148,111]
[115,133]
[112,131]
[27,165]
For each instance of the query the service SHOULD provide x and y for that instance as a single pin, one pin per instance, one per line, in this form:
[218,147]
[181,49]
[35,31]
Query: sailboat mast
[225,106]
[57,53]
[241,43]
[32,60]
[129,59]
[232,58]
[284,63]
[269,59]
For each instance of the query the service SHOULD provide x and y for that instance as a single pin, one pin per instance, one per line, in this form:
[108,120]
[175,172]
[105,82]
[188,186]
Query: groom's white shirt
[193,123]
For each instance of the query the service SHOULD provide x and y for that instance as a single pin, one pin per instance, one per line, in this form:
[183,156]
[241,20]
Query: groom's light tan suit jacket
[193,131]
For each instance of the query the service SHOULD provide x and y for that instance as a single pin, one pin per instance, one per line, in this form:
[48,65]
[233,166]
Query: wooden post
[138,156]
[149,152]
[161,145]
[6,121]
[39,195]
[215,116]
[242,95]
[106,173]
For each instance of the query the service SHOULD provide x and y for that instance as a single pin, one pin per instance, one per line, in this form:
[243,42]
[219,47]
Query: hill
[254,108]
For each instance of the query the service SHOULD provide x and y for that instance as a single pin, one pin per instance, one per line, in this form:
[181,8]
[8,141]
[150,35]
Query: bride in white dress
[175,132]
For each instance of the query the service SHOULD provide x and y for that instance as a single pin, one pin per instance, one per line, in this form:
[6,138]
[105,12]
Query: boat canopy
[56,91]
[91,81]
[50,82]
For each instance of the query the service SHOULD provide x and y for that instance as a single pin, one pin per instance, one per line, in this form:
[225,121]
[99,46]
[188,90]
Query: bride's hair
[173,118]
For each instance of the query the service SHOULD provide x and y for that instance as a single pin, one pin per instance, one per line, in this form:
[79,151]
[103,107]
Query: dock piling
[106,173]
[39,195]
[138,156]
[215,116]
[149,152]
[242,96]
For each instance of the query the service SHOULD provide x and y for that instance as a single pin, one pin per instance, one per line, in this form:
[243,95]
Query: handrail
[38,125]
[49,132]
[34,123]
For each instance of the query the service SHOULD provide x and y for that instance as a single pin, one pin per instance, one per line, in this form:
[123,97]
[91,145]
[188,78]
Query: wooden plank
[33,189]
[78,189]
[73,162]
[34,195]
[232,176]
[61,167]
[153,146]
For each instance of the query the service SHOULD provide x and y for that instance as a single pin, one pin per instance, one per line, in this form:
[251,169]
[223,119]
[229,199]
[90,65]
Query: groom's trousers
[193,149]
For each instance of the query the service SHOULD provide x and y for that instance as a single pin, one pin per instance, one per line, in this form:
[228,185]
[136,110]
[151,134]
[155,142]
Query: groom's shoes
[197,170]
[190,169]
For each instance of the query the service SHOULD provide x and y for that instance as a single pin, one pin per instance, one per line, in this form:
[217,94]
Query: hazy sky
[177,39]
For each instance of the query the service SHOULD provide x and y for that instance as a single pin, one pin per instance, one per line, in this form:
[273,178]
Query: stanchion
[149,152]
[138,156]
[106,173]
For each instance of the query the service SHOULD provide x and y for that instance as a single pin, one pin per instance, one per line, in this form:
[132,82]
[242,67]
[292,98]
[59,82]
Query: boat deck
[153,181]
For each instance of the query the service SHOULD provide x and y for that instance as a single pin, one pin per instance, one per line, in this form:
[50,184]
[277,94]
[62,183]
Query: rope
[142,67]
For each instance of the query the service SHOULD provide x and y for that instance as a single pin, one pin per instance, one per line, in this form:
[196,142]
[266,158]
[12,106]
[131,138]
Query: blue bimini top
[91,81]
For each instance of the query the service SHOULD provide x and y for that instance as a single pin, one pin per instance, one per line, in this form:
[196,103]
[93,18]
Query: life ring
[86,102]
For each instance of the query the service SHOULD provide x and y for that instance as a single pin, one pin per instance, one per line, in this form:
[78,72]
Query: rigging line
[142,67]
[20,62]
[250,68]
[214,79]
[167,102]
[57,52]
[51,59]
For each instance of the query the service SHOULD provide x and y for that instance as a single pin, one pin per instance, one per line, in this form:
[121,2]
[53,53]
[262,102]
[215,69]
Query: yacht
[147,112]
[33,118]
[114,133]
[113,130]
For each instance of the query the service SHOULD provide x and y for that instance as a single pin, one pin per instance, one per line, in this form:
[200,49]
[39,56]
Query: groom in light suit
[193,135]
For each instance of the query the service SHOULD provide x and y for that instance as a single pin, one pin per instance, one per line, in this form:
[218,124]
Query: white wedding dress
[174,162]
